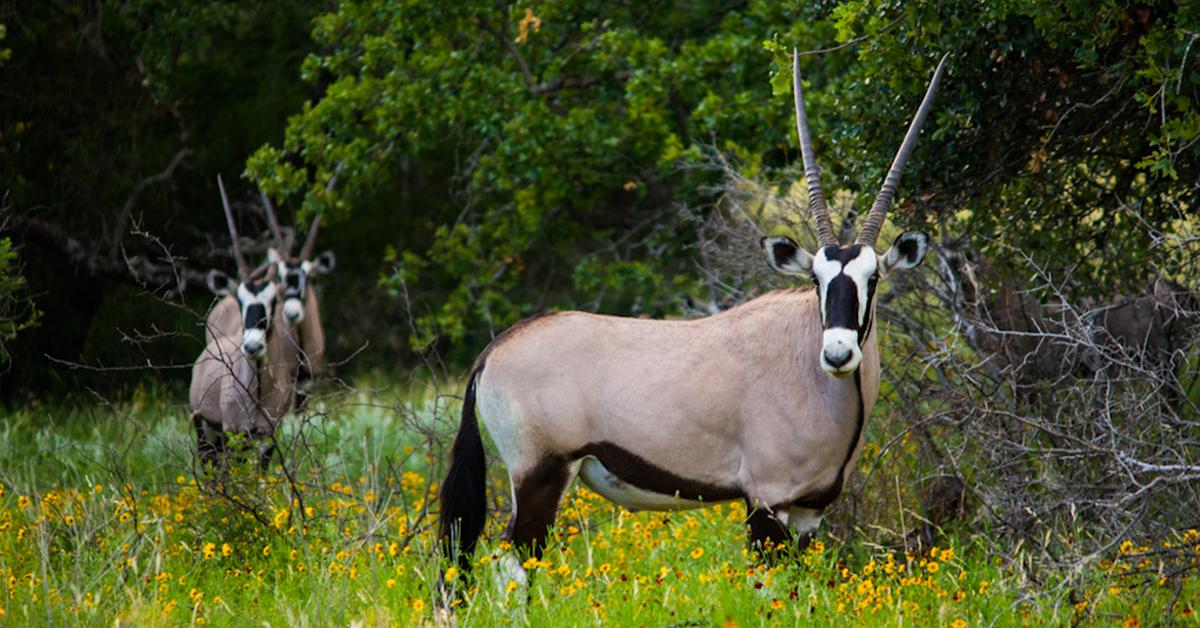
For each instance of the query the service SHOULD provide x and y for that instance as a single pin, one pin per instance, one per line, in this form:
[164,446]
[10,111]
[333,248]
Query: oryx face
[846,278]
[295,275]
[256,302]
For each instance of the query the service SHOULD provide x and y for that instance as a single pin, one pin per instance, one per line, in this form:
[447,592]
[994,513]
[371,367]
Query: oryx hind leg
[537,494]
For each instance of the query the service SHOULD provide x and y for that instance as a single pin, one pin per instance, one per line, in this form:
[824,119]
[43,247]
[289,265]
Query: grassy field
[103,521]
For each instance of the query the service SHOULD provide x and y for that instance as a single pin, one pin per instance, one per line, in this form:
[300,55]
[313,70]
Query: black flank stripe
[641,473]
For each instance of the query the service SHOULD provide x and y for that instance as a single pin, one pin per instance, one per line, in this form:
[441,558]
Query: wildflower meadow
[103,521]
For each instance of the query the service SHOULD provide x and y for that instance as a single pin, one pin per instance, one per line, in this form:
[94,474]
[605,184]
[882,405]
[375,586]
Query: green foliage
[561,148]
[5,53]
[17,312]
[553,143]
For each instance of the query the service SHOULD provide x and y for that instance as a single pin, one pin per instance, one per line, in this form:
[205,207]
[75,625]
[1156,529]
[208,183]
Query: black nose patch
[256,316]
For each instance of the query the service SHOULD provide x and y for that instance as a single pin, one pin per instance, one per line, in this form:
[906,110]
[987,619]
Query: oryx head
[296,272]
[847,276]
[255,291]
[256,301]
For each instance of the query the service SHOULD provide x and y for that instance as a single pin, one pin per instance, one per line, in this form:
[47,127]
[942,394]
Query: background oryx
[244,384]
[300,303]
[1032,343]
[765,402]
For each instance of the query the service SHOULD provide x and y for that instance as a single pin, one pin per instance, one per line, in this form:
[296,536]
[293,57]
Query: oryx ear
[784,256]
[326,262]
[219,283]
[908,251]
[273,256]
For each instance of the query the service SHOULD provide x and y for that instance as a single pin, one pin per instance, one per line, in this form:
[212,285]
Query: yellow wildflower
[391,582]
[698,552]
[418,605]
[266,550]
[931,567]
[450,574]
[958,623]
[226,549]
[511,586]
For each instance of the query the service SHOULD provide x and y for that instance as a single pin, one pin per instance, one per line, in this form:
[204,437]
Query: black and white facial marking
[846,279]
[294,275]
[255,301]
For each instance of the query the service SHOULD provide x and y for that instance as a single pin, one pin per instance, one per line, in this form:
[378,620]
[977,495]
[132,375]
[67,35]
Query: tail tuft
[463,495]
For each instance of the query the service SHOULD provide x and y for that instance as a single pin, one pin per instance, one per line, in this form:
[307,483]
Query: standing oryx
[301,307]
[765,402]
[245,383]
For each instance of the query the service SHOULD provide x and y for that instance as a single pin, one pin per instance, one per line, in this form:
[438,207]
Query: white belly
[600,479]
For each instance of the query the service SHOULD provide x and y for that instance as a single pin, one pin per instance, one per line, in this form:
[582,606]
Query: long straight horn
[243,270]
[883,200]
[274,224]
[310,242]
[812,172]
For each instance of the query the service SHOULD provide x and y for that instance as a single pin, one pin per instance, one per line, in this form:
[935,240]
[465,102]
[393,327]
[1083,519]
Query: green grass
[102,521]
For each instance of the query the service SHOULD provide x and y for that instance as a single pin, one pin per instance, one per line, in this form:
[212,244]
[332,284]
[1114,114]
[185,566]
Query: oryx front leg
[803,523]
[768,528]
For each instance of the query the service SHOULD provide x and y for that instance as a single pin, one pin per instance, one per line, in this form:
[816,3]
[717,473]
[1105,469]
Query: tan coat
[737,400]
[228,388]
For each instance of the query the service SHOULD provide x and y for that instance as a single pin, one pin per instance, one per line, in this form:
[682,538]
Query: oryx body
[664,414]
[299,303]
[765,402]
[234,393]
[244,383]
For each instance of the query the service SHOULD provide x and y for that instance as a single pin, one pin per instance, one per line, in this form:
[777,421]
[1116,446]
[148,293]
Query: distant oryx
[765,402]
[301,307]
[244,384]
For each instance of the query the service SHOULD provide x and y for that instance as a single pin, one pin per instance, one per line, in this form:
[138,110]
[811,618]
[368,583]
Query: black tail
[463,495]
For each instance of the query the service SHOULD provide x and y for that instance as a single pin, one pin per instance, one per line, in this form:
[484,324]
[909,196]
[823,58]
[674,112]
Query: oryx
[244,384]
[301,307]
[765,402]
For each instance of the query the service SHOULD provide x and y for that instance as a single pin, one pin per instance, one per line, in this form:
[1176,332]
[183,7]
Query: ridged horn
[883,201]
[276,232]
[310,242]
[812,172]
[243,270]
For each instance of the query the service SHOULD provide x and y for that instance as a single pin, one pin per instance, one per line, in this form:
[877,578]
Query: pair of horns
[812,172]
[310,242]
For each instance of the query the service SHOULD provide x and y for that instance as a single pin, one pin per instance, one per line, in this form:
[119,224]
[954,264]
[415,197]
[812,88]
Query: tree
[115,120]
[545,148]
